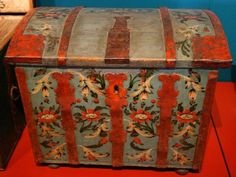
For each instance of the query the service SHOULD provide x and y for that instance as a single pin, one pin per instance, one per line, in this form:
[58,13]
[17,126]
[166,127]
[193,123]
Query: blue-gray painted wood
[225,9]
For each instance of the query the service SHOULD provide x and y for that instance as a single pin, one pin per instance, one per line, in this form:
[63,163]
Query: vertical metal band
[167,101]
[31,124]
[205,120]
[116,99]
[65,98]
[66,34]
[118,42]
[169,38]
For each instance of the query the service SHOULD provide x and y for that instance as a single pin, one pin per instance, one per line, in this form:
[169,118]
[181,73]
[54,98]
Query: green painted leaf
[36,111]
[82,108]
[134,146]
[85,127]
[95,145]
[134,134]
[105,115]
[149,107]
[98,108]
[127,112]
[143,104]
[180,107]
[174,121]
[103,134]
[56,124]
[192,125]
[193,107]
[40,72]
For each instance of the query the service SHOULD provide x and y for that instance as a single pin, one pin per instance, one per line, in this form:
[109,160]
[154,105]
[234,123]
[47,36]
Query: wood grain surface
[15,6]
[8,25]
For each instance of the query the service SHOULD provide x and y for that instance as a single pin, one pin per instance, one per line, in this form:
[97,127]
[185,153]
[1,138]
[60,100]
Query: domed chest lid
[101,37]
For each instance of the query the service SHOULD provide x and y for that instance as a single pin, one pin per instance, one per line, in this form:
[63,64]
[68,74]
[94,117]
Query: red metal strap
[65,98]
[116,99]
[118,42]
[169,38]
[66,34]
[205,120]
[167,101]
[28,109]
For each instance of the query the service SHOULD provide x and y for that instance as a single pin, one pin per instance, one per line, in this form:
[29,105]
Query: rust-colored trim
[25,96]
[66,34]
[205,120]
[166,102]
[118,42]
[116,99]
[169,38]
[65,98]
[25,45]
[23,60]
[211,47]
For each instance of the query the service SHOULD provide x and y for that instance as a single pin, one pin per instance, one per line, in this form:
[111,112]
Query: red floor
[215,164]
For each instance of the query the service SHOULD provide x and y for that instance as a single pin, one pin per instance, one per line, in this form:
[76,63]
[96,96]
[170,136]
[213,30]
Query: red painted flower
[135,102]
[186,116]
[96,100]
[137,140]
[153,101]
[47,116]
[177,145]
[103,140]
[140,116]
[143,72]
[91,115]
[78,100]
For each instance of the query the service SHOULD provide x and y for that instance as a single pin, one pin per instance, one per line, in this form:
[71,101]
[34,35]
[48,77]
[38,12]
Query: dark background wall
[225,9]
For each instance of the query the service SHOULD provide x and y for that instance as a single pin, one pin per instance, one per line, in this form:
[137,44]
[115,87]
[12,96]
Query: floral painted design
[93,125]
[181,158]
[91,115]
[47,116]
[48,121]
[186,116]
[93,84]
[189,25]
[186,119]
[47,31]
[42,85]
[142,156]
[91,155]
[140,116]
[183,17]
[92,121]
[188,33]
[144,88]
[51,13]
[143,115]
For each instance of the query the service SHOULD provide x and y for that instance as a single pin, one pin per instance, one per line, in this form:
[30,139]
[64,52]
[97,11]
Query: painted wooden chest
[120,87]
[12,119]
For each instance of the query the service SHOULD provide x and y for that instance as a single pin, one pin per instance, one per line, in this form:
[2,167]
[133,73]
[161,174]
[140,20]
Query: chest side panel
[151,122]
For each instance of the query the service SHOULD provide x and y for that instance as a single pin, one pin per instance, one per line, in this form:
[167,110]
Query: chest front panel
[119,117]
